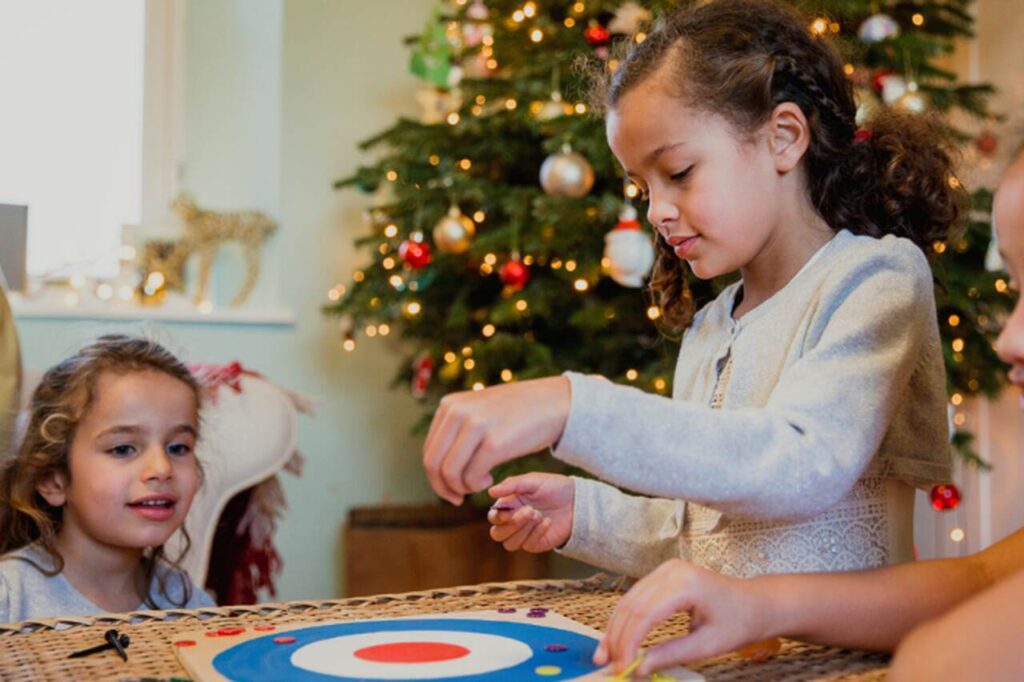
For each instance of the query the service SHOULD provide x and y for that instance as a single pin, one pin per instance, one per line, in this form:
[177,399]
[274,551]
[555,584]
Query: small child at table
[105,474]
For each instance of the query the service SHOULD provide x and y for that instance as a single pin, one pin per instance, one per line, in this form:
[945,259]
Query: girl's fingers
[455,460]
[506,524]
[445,429]
[523,484]
[695,646]
[538,540]
[515,541]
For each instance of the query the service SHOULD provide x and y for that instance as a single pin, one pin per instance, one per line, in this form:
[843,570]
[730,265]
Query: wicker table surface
[37,650]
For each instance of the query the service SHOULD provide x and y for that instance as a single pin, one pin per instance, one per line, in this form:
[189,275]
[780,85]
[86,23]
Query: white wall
[278,94]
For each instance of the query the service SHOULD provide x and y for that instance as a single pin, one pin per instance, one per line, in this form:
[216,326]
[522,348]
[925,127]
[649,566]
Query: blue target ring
[263,659]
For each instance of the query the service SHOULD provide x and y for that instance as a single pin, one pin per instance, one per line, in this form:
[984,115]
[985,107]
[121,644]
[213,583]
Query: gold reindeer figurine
[206,230]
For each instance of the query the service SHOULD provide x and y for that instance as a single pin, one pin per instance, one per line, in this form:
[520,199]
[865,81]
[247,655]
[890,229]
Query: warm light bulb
[536,35]
[488,330]
[956,399]
[918,19]
[957,535]
[391,175]
[581,285]
[954,320]
[384,329]
[521,305]
[479,216]
[958,345]
[632,374]
[654,312]
[478,386]
[450,357]
[453,118]
[465,164]
[506,375]
[469,363]
[570,266]
[659,384]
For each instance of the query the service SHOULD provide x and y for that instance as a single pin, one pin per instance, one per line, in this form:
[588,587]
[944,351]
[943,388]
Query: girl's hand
[725,614]
[533,512]
[474,431]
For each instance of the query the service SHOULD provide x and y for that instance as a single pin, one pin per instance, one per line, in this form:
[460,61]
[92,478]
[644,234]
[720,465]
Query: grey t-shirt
[26,593]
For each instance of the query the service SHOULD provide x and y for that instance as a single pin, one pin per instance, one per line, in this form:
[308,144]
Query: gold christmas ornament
[868,105]
[566,174]
[914,100]
[454,233]
[554,108]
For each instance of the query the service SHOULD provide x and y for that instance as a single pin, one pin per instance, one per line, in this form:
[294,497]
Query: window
[77,139]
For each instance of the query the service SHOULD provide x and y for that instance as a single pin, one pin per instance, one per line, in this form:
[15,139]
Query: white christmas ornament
[893,87]
[629,17]
[629,251]
[878,27]
[477,11]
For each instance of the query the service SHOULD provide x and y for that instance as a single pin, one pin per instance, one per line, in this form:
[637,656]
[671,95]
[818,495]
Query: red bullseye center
[411,652]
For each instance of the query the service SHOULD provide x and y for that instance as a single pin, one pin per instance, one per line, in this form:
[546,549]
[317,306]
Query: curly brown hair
[58,405]
[740,59]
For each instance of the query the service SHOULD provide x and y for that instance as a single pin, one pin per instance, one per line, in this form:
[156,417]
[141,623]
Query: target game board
[481,646]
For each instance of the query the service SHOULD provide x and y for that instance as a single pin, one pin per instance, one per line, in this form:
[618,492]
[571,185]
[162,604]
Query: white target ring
[483,653]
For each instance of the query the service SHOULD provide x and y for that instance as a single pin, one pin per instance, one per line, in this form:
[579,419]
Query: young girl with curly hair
[105,474]
[809,397]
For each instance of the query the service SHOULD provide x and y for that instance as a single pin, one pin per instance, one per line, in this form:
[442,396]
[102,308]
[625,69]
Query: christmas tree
[504,243]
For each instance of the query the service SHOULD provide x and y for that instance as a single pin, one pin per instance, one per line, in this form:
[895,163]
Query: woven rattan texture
[37,651]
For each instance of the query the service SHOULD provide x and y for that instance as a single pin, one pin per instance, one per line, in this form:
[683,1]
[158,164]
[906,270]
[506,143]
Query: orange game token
[760,651]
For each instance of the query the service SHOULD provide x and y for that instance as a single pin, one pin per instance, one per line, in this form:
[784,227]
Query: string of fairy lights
[402,253]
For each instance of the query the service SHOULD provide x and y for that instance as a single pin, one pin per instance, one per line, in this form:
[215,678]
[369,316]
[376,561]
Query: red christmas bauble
[514,274]
[987,143]
[877,79]
[945,497]
[416,254]
[597,35]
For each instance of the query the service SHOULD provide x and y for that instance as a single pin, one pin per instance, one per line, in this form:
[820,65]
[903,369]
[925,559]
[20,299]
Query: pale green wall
[279,92]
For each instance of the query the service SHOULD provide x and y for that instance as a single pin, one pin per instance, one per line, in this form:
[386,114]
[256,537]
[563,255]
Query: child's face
[133,471]
[1008,212]
[712,195]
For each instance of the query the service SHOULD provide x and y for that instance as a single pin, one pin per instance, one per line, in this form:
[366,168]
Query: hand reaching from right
[533,512]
